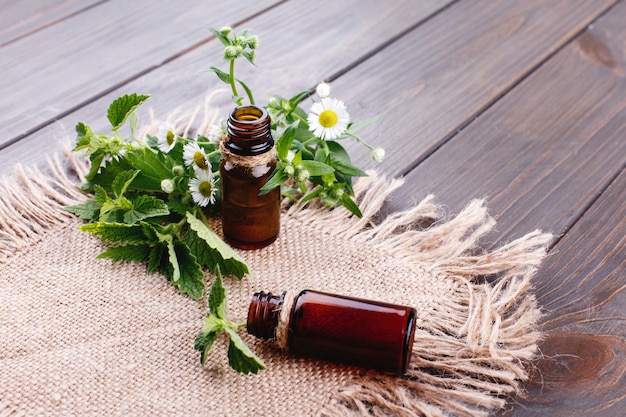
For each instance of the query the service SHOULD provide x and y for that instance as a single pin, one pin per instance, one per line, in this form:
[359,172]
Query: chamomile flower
[203,188]
[323,89]
[195,156]
[216,134]
[166,137]
[328,119]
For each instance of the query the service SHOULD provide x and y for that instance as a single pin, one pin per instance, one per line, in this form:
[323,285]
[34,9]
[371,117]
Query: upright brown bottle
[249,220]
[342,329]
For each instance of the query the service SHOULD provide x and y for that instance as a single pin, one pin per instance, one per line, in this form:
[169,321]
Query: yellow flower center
[170,137]
[205,188]
[328,118]
[200,160]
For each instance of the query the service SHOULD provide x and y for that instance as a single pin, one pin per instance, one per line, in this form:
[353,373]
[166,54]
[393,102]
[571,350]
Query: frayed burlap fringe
[464,364]
[467,363]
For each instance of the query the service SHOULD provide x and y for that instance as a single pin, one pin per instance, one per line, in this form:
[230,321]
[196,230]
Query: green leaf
[128,253]
[84,135]
[154,167]
[145,206]
[351,205]
[155,260]
[88,210]
[122,107]
[240,357]
[276,180]
[211,251]
[116,232]
[221,37]
[317,168]
[190,279]
[223,76]
[283,144]
[203,343]
[217,297]
[122,181]
[248,91]
[347,168]
[337,151]
[295,100]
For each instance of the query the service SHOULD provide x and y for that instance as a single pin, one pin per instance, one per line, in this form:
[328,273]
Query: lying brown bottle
[341,329]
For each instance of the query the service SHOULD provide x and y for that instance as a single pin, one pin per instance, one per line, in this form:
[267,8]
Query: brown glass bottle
[249,220]
[342,329]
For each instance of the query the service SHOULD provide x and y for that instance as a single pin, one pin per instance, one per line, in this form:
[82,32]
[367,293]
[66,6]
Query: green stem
[358,139]
[232,82]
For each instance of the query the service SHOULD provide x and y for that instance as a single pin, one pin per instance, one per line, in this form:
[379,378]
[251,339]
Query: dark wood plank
[285,64]
[436,79]
[51,72]
[582,288]
[20,18]
[544,152]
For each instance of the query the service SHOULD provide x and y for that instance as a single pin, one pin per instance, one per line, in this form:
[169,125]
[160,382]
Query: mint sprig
[240,357]
[142,222]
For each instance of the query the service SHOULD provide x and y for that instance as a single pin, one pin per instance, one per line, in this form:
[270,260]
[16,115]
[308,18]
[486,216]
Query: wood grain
[55,70]
[20,18]
[582,288]
[438,78]
[544,152]
[283,66]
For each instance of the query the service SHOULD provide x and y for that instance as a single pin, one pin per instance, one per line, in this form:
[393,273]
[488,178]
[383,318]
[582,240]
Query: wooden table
[520,102]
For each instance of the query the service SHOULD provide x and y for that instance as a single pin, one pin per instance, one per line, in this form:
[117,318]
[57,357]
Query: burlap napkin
[83,336]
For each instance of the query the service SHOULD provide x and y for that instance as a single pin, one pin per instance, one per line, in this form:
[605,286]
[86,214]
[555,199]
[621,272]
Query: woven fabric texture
[84,336]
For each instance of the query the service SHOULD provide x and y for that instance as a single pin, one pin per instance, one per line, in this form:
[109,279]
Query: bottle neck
[249,131]
[263,314]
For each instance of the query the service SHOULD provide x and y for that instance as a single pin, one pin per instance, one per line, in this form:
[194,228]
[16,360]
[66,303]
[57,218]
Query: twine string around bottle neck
[247,161]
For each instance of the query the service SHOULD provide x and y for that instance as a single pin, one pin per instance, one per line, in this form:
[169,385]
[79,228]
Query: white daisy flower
[323,89]
[194,155]
[328,119]
[216,134]
[166,138]
[203,188]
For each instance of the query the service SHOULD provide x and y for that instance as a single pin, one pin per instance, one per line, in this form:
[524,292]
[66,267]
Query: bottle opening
[249,113]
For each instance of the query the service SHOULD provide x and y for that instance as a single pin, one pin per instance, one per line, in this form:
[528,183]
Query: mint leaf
[240,357]
[122,107]
[346,168]
[128,253]
[155,259]
[217,296]
[145,206]
[116,232]
[122,181]
[203,343]
[88,210]
[154,167]
[190,279]
[211,251]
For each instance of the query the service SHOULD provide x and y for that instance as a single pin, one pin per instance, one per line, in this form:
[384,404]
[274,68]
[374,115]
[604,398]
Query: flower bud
[167,186]
[226,30]
[303,175]
[337,193]
[231,52]
[273,102]
[378,154]
[323,89]
[290,170]
[253,42]
[178,170]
